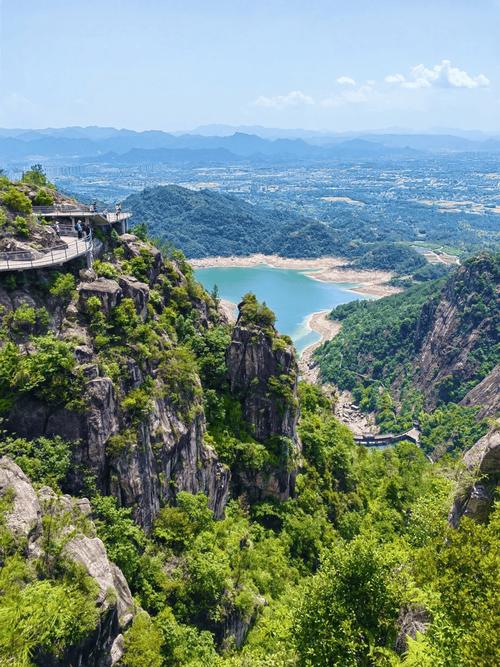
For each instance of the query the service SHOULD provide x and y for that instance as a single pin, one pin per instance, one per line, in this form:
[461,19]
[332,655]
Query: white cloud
[293,99]
[346,81]
[358,95]
[394,78]
[443,75]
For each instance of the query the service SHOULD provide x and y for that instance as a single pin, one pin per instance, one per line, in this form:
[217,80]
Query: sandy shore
[327,269]
[327,329]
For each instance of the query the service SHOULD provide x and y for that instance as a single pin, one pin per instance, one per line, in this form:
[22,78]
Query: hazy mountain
[91,142]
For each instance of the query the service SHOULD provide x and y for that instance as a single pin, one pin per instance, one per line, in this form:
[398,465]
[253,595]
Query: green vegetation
[253,313]
[47,373]
[322,578]
[376,354]
[46,461]
[205,223]
[16,201]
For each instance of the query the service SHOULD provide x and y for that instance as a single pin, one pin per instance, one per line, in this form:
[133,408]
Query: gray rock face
[137,291]
[91,553]
[23,518]
[253,365]
[169,456]
[165,452]
[485,395]
[446,338]
[103,647]
[412,619]
[263,376]
[107,291]
[483,459]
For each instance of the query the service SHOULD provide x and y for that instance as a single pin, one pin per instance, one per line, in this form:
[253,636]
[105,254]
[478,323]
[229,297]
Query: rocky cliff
[49,531]
[456,335]
[131,401]
[263,372]
[482,461]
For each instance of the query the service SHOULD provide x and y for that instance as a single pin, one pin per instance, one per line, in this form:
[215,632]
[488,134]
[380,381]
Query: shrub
[143,643]
[36,176]
[254,313]
[43,198]
[16,200]
[63,286]
[138,402]
[105,269]
[45,460]
[26,319]
[46,372]
[43,617]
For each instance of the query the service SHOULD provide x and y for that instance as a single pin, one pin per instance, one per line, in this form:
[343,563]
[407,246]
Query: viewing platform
[70,248]
[82,212]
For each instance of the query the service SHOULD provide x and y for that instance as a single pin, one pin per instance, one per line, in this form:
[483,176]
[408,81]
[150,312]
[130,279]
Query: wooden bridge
[384,439]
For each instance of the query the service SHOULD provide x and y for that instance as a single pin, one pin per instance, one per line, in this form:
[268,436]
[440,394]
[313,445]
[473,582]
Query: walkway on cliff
[80,211]
[384,439]
[69,248]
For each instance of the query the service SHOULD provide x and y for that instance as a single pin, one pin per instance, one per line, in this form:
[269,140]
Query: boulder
[134,247]
[107,291]
[137,291]
[90,552]
[23,518]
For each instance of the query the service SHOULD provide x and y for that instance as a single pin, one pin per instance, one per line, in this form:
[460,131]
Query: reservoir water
[292,294]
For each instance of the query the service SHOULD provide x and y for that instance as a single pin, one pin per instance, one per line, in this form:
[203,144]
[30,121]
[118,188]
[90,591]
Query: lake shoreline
[327,329]
[325,269]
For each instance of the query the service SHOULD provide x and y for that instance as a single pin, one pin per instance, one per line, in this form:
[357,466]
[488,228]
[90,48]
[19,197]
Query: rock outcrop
[485,395]
[483,461]
[263,373]
[450,331]
[144,462]
[24,518]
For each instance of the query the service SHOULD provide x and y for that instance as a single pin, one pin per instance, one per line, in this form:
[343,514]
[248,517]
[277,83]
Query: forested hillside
[171,495]
[205,223]
[429,346]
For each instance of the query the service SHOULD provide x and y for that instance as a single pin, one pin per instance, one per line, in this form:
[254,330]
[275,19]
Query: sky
[316,64]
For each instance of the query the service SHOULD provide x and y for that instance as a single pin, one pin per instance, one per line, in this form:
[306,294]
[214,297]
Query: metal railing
[62,208]
[83,210]
[59,254]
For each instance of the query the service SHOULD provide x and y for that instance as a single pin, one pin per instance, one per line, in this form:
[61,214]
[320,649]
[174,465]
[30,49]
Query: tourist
[79,229]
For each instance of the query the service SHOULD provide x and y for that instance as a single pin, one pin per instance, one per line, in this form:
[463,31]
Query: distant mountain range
[129,147]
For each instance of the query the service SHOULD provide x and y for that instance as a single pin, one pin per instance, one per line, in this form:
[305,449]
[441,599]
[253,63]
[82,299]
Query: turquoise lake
[292,295]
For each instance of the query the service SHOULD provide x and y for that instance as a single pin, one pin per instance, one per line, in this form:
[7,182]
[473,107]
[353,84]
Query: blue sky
[316,64]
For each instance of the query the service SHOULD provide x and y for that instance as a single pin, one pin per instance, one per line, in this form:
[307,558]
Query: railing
[64,252]
[83,210]
[376,440]
[62,208]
